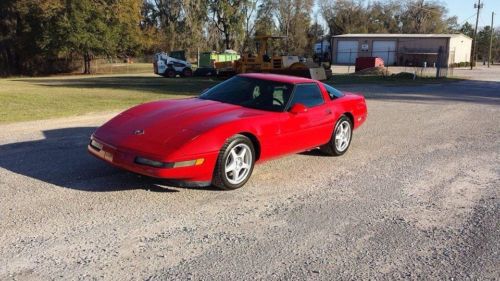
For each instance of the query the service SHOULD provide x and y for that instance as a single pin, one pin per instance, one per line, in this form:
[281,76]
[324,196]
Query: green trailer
[206,63]
[207,59]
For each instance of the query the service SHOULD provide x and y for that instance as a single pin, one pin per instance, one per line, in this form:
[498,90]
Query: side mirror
[298,108]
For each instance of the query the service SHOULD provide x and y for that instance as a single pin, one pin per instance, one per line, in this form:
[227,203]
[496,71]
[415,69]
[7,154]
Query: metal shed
[403,49]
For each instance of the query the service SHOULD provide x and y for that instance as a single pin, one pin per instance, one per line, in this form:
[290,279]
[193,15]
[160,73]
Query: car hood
[166,125]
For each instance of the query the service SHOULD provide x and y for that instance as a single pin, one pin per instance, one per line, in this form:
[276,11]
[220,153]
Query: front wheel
[234,164]
[341,138]
[170,73]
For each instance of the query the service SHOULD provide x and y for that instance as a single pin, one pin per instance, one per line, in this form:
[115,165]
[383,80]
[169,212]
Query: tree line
[483,41]
[50,36]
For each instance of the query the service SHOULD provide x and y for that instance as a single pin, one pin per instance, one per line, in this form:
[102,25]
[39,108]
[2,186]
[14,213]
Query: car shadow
[314,152]
[61,159]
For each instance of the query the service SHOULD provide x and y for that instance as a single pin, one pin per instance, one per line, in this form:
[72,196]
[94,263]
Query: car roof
[278,78]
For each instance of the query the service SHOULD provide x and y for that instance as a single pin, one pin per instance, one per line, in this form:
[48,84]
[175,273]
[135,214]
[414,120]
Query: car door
[305,130]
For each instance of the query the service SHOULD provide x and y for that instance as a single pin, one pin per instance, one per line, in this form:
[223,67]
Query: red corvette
[217,138]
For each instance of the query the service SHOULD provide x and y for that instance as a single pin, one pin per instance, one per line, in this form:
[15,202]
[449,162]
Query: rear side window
[308,95]
[332,92]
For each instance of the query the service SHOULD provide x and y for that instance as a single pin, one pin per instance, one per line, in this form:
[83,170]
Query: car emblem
[138,132]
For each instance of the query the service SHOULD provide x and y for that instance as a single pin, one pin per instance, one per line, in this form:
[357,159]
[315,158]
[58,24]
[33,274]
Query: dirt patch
[376,71]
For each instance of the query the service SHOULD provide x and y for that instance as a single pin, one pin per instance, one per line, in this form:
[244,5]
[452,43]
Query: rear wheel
[341,138]
[187,72]
[235,163]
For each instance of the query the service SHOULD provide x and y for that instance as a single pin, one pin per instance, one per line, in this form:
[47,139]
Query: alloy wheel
[238,164]
[343,136]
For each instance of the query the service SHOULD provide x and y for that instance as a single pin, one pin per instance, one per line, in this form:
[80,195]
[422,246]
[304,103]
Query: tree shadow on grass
[470,91]
[154,84]
[62,159]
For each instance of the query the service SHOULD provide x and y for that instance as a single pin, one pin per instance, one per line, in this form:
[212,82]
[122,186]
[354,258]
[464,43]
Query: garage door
[347,52]
[386,50]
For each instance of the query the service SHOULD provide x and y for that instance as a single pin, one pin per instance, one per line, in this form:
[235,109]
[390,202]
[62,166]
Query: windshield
[252,93]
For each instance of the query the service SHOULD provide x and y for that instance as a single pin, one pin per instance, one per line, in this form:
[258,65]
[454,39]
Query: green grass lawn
[121,68]
[24,99]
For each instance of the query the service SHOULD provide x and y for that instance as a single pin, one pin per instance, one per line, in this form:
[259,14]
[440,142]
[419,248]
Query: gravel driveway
[416,197]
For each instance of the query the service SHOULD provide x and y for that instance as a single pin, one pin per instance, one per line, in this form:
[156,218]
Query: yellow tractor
[265,61]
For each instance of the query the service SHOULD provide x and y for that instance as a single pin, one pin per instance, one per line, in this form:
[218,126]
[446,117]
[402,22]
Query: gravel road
[416,197]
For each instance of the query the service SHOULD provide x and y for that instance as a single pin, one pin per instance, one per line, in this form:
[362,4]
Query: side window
[279,96]
[256,92]
[308,95]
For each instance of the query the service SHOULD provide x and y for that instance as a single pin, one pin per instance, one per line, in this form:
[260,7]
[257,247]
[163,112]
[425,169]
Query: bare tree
[169,12]
[264,21]
[228,18]
[420,16]
[293,20]
[408,16]
[344,16]
[249,15]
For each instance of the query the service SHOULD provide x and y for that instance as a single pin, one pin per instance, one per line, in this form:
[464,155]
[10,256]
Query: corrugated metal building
[403,49]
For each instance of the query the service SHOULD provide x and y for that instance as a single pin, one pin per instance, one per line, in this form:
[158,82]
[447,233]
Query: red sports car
[217,138]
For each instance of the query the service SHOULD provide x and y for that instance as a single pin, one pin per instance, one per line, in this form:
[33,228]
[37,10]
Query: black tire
[220,177]
[170,73]
[331,148]
[187,72]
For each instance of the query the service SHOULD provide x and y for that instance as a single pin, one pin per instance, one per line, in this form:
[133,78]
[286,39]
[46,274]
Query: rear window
[332,92]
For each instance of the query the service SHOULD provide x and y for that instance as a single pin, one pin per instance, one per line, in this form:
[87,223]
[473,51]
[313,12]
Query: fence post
[388,55]
[349,65]
[331,52]
[321,56]
[438,66]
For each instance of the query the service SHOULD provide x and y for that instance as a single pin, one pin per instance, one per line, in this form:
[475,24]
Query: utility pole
[477,6]
[491,38]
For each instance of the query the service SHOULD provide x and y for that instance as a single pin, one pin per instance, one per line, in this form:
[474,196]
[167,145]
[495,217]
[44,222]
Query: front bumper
[197,175]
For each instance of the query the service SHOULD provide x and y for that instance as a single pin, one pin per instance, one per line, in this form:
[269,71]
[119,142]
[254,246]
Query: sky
[464,10]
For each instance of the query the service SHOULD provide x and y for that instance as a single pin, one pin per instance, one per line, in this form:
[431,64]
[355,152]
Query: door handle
[328,111]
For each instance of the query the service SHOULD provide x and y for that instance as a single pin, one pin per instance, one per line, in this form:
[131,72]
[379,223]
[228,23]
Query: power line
[467,19]
[482,21]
